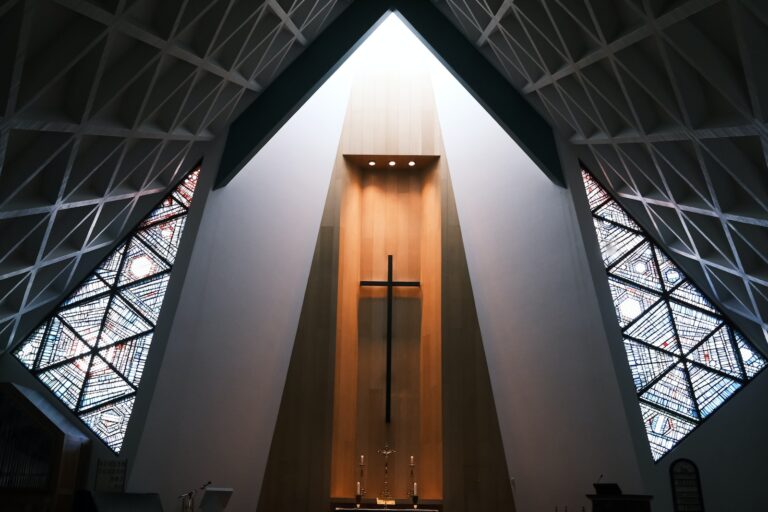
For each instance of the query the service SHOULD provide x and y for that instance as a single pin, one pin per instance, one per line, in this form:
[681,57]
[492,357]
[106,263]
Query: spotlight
[391,163]
[411,163]
[372,163]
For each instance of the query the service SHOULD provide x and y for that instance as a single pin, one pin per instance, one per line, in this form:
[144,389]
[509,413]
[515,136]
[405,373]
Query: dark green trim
[278,102]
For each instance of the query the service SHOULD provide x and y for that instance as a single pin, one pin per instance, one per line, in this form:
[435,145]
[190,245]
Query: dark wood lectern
[609,498]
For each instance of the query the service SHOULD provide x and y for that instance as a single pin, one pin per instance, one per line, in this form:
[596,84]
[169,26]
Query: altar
[369,505]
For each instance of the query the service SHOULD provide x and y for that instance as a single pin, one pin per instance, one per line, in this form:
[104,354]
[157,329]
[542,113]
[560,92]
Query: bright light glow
[411,163]
[391,163]
[630,308]
[371,163]
[141,267]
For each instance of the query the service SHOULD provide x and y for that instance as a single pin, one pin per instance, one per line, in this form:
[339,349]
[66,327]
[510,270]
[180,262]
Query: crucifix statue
[390,284]
[386,452]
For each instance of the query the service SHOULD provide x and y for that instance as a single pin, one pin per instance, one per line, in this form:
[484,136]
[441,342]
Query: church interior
[363,255]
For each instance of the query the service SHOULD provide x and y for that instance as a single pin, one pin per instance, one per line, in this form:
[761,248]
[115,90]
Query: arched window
[686,486]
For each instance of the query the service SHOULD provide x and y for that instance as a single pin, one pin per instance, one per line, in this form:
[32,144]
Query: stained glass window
[91,351]
[686,358]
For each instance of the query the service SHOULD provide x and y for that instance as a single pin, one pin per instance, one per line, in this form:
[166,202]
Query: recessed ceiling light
[391,163]
[411,163]
[371,163]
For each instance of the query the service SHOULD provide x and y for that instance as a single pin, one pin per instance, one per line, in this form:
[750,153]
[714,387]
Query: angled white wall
[560,411]
[221,380]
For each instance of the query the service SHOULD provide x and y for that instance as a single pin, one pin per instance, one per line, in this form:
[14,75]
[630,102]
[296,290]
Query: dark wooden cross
[390,284]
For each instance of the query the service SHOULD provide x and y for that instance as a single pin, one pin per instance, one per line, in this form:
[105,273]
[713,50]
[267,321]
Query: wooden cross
[390,284]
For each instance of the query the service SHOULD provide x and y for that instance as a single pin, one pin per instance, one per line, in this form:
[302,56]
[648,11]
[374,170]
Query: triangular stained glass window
[686,358]
[92,349]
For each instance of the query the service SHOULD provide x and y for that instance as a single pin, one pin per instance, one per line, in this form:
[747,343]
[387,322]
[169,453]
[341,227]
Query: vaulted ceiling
[667,102]
[104,102]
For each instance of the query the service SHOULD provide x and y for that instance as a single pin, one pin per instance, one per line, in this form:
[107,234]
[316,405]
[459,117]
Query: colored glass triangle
[671,275]
[646,363]
[86,318]
[122,323]
[596,195]
[60,344]
[28,349]
[655,328]
[147,296]
[110,266]
[711,389]
[66,381]
[639,267]
[672,392]
[752,359]
[164,237]
[140,263]
[688,292]
[630,301]
[692,325]
[615,213]
[186,189]
[91,287]
[167,209]
[615,241]
[129,358]
[664,430]
[110,422]
[718,352]
[102,385]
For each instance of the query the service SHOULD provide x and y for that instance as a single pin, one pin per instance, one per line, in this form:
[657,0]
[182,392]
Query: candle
[357,491]
[415,489]
[411,460]
[362,460]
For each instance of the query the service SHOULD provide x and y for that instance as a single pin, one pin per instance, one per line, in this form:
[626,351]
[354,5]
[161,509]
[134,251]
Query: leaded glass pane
[59,344]
[129,357]
[673,393]
[110,422]
[103,385]
[752,359]
[688,293]
[630,301]
[639,266]
[718,352]
[613,212]
[147,296]
[86,318]
[615,241]
[140,263]
[92,350]
[711,389]
[164,237]
[596,195]
[664,430]
[646,363]
[109,268]
[27,353]
[91,287]
[685,357]
[66,381]
[656,328]
[167,209]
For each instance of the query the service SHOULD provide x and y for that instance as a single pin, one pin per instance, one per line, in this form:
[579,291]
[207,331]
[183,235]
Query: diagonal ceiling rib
[103,103]
[667,101]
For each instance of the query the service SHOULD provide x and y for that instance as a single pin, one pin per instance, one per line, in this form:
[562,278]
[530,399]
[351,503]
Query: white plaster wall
[216,401]
[560,411]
